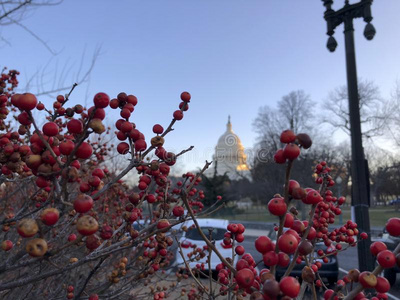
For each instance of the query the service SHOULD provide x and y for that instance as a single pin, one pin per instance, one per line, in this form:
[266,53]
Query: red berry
[50,129]
[293,184]
[7,245]
[287,243]
[270,258]
[304,140]
[114,103]
[313,197]
[83,203]
[245,278]
[263,244]
[287,137]
[239,250]
[27,101]
[283,259]
[50,216]
[386,259]
[99,173]
[94,181]
[178,115]
[24,119]
[377,247]
[367,279]
[185,96]
[382,285]
[75,126]
[60,98]
[289,220]
[140,145]
[132,99]
[291,151]
[277,206]
[393,226]
[289,286]
[239,238]
[123,148]
[98,114]
[279,157]
[184,106]
[101,100]
[84,151]
[163,223]
[40,106]
[84,187]
[158,129]
[178,211]
[126,126]
[66,147]
[93,297]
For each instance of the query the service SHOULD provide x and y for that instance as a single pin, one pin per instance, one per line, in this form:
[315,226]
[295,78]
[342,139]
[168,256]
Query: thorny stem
[305,234]
[134,163]
[282,218]
[112,249]
[66,100]
[209,265]
[41,137]
[92,272]
[189,268]
[376,271]
[209,244]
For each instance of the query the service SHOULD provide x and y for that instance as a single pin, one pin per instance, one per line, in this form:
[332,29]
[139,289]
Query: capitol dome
[229,156]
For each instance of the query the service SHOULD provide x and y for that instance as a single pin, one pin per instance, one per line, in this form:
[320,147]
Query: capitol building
[229,156]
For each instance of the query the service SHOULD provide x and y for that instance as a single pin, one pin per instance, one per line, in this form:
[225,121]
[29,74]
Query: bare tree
[374,110]
[295,111]
[14,12]
[51,80]
[394,121]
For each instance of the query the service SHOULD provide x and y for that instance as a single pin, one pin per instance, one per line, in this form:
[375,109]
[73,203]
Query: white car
[193,237]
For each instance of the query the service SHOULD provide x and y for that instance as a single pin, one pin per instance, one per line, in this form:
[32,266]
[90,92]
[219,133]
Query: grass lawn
[378,215]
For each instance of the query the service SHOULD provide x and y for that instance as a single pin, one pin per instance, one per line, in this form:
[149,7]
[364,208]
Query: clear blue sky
[232,56]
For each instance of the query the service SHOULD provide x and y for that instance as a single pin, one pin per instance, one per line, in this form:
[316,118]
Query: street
[347,259]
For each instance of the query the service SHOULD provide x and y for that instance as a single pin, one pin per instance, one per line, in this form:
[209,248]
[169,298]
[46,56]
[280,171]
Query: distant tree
[384,175]
[295,112]
[374,110]
[393,128]
[14,13]
[215,186]
[49,80]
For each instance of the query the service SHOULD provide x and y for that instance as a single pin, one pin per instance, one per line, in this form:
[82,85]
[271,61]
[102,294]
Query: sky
[233,56]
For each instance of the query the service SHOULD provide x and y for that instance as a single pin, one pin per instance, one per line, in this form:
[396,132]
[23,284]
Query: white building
[229,156]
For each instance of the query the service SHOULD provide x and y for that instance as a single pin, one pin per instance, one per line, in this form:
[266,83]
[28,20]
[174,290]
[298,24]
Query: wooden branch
[6,14]
[189,268]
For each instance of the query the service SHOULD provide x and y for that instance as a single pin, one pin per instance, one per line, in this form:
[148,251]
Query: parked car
[391,243]
[193,237]
[395,202]
[329,271]
[141,224]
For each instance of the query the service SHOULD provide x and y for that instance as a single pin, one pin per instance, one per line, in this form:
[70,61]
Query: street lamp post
[345,15]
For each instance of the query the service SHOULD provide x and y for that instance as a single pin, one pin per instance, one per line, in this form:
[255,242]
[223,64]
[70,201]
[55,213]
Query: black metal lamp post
[345,15]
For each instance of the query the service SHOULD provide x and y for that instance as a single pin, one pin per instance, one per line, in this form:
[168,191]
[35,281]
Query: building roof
[229,155]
